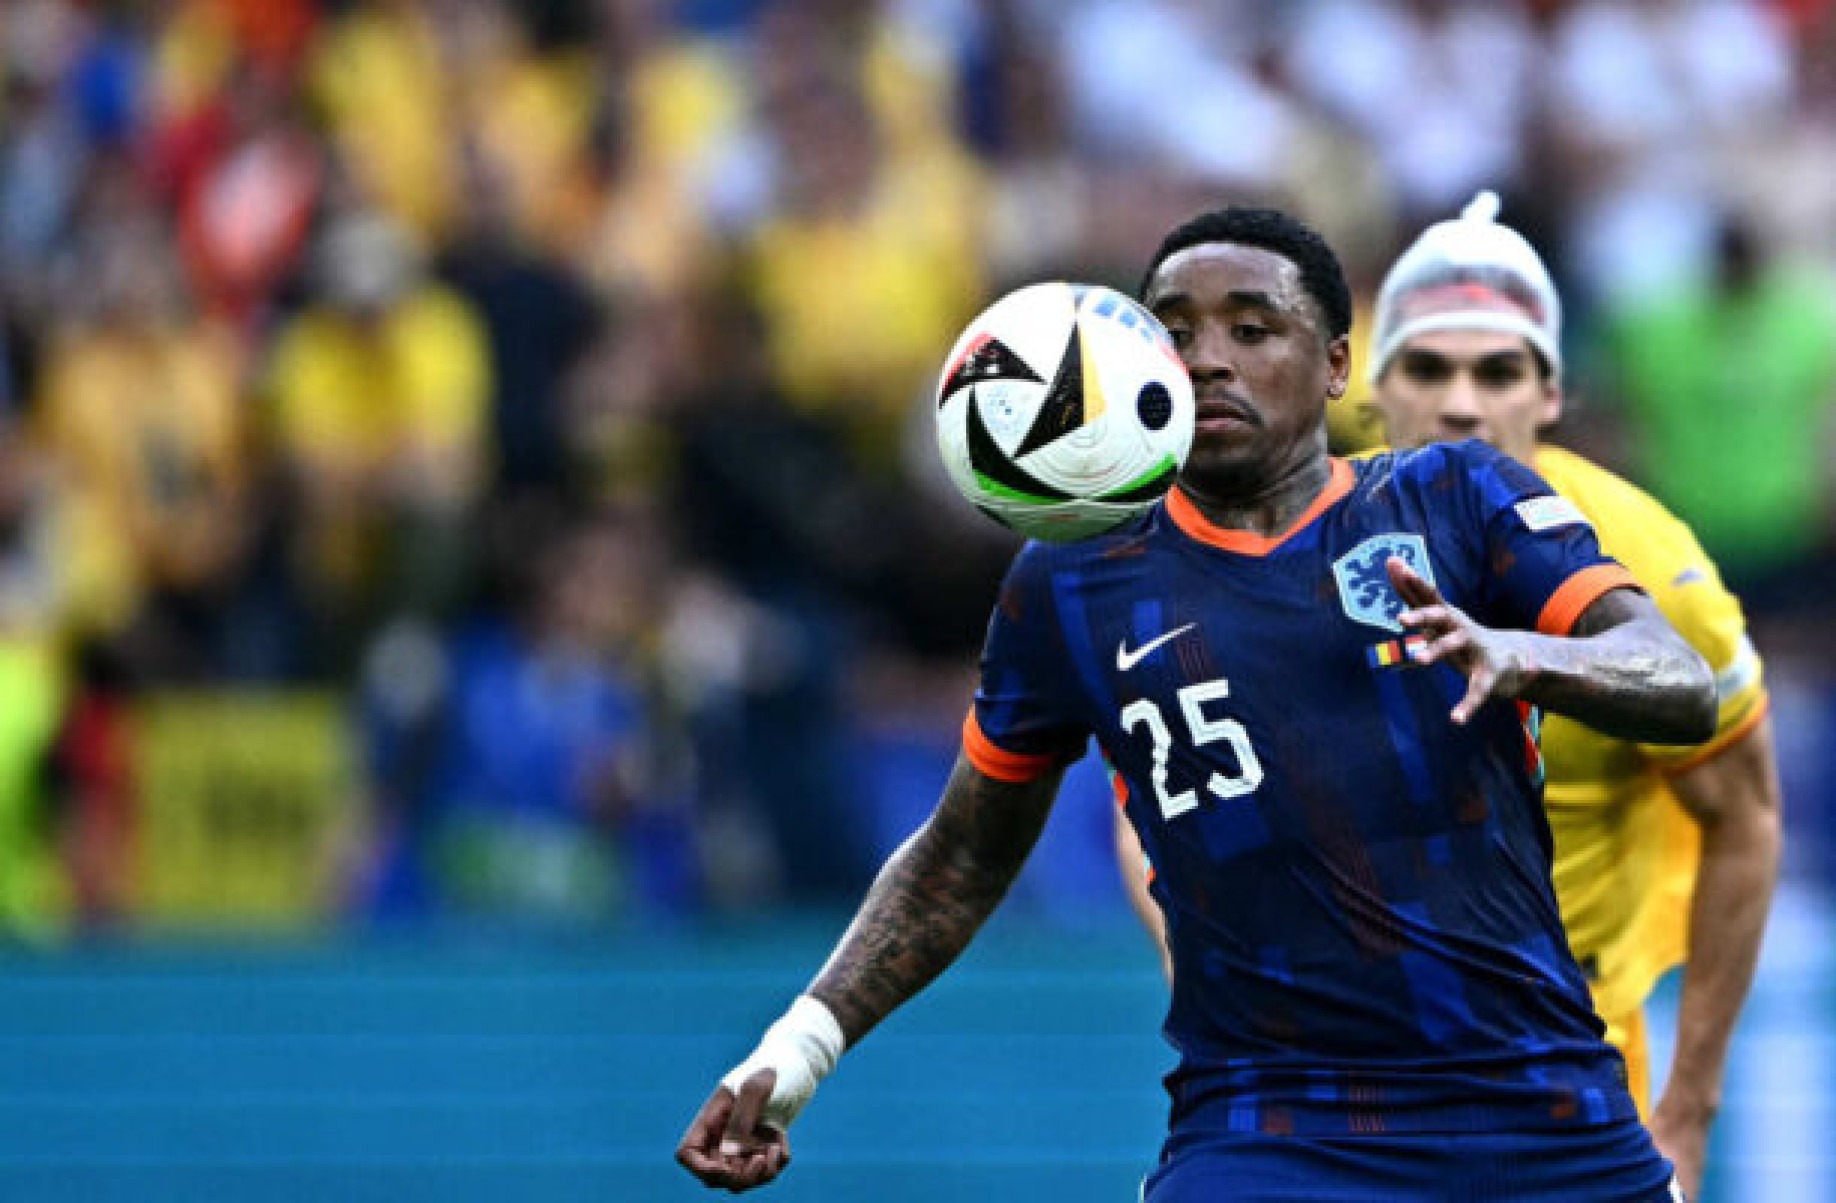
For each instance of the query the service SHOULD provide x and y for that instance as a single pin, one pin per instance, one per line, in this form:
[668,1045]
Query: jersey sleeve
[1688,589]
[1542,563]
[1025,721]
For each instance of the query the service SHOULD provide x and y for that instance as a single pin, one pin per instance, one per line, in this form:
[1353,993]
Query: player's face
[1467,384]
[1262,366]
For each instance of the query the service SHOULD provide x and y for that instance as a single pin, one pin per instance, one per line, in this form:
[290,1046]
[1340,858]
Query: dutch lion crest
[1364,586]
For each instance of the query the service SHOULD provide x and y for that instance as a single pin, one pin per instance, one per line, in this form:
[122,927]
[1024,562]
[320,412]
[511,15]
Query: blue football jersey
[1357,891]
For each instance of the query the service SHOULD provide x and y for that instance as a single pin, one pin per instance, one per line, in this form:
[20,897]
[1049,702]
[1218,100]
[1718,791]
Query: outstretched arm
[1734,796]
[1623,670]
[932,896]
[929,899]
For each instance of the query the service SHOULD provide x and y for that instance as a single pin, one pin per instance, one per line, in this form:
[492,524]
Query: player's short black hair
[1271,230]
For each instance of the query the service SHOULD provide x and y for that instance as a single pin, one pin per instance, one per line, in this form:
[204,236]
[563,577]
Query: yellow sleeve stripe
[1720,743]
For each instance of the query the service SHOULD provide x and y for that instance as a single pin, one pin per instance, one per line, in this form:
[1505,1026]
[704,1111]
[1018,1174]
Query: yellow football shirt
[1625,851]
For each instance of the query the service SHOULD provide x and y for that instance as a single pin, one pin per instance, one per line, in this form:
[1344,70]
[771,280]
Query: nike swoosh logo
[1126,659]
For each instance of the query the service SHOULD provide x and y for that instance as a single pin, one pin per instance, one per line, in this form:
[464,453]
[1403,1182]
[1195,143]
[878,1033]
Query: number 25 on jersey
[1204,730]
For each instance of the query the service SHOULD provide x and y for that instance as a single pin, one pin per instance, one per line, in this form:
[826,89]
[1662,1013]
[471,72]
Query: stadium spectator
[142,413]
[1730,383]
[379,392]
[244,174]
[380,74]
[538,318]
[545,750]
[875,234]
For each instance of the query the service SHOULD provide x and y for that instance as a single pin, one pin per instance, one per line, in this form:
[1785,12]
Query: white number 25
[1204,730]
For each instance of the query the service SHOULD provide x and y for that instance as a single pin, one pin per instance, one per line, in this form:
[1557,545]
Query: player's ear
[1549,411]
[1338,366]
[1549,407]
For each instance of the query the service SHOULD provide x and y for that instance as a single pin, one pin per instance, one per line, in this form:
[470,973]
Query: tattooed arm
[1622,670]
[928,901]
[932,896]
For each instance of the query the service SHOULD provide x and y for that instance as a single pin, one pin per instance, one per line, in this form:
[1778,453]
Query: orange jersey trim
[1187,517]
[1579,592]
[1717,746]
[997,762]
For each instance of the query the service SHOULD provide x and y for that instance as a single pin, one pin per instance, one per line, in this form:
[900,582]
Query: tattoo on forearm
[932,896]
[1627,674]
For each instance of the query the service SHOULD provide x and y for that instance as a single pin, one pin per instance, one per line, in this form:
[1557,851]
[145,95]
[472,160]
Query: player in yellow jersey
[1664,855]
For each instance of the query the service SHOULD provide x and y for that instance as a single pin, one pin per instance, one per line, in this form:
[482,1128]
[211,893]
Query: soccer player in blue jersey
[1319,683]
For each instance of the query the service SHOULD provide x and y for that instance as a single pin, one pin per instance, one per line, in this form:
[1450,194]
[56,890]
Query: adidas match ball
[1063,411]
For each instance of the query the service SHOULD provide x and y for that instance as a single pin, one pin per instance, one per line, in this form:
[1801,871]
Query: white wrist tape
[802,1047]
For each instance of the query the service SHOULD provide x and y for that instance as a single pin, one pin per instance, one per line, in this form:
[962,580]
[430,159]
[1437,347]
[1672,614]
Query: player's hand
[1492,661]
[727,1147]
[1681,1133]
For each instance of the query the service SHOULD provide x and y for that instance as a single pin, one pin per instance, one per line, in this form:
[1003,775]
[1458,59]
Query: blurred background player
[1664,855]
[1369,951]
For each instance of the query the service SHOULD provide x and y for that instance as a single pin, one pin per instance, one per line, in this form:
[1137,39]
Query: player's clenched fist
[1494,662]
[728,1145]
[737,1140]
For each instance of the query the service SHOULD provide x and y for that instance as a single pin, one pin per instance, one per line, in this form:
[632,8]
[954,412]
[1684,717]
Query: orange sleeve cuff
[1579,592]
[1720,743]
[999,763]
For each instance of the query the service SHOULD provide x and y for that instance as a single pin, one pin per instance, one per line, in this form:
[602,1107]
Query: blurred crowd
[547,380]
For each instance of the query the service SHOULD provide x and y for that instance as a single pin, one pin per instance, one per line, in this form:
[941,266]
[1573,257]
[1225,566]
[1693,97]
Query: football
[1063,411]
